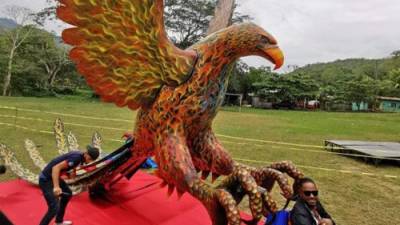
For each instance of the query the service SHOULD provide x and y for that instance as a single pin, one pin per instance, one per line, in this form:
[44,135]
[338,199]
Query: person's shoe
[65,222]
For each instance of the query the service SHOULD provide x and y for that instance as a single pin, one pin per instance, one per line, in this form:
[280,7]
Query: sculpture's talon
[266,177]
[289,168]
[171,189]
[226,201]
[163,184]
[180,193]
[269,205]
[257,184]
[214,177]
[205,174]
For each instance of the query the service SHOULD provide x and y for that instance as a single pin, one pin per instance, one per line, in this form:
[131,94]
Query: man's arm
[55,175]
[298,218]
[327,219]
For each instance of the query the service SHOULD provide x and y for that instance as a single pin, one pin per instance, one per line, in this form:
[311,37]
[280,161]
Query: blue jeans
[56,205]
[4,220]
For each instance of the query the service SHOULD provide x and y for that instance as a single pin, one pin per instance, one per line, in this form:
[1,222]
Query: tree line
[335,85]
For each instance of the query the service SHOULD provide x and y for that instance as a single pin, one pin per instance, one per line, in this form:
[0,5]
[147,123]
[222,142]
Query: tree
[267,87]
[363,89]
[253,76]
[16,37]
[287,88]
[40,63]
[394,76]
[48,54]
[187,21]
[237,74]
[396,53]
[388,88]
[222,16]
[53,58]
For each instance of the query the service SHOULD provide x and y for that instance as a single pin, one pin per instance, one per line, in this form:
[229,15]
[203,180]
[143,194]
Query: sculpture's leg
[268,175]
[210,156]
[177,170]
[289,168]
[265,178]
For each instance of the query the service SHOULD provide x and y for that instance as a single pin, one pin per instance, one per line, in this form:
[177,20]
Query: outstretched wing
[122,49]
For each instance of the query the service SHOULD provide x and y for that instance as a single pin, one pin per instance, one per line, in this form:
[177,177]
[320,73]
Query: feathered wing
[122,49]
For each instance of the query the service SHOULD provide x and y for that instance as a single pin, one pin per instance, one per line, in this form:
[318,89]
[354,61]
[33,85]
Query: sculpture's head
[249,39]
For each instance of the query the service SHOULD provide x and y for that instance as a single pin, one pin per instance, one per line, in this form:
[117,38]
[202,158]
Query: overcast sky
[313,30]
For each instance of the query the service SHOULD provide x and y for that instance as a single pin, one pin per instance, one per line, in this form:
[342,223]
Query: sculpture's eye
[264,40]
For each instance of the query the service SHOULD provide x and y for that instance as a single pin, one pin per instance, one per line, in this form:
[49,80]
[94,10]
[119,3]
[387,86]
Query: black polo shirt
[74,159]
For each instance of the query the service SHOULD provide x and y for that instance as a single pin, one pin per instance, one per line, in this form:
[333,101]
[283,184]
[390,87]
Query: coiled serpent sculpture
[64,143]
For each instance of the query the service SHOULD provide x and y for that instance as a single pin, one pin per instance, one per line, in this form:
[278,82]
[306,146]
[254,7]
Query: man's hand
[57,191]
[325,221]
[55,175]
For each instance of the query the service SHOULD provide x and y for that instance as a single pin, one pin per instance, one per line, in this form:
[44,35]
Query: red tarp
[139,201]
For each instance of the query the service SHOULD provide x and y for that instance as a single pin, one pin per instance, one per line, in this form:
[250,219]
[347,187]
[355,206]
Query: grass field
[365,194]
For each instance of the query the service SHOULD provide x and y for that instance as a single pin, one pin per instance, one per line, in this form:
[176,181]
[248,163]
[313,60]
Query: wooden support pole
[222,16]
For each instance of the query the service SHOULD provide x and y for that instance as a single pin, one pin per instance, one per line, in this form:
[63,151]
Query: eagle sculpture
[122,49]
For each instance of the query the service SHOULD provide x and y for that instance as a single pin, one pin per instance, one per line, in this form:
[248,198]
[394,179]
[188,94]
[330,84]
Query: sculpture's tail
[104,170]
[107,170]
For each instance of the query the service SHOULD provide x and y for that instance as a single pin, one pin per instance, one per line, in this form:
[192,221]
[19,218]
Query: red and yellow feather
[122,49]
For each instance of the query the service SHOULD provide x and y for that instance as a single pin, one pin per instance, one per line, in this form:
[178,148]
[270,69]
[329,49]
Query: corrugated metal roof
[388,98]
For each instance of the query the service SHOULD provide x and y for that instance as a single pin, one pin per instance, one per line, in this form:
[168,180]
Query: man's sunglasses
[308,193]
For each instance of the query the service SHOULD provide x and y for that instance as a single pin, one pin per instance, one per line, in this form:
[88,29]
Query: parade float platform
[139,201]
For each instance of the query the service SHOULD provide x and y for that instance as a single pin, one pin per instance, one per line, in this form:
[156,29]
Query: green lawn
[253,136]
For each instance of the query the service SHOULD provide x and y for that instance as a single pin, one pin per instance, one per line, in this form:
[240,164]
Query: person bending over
[308,210]
[55,190]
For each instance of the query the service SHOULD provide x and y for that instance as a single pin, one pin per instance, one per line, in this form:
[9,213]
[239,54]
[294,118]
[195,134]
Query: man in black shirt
[308,210]
[55,190]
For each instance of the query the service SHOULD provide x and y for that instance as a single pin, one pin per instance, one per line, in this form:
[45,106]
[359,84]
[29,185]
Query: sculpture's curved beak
[275,55]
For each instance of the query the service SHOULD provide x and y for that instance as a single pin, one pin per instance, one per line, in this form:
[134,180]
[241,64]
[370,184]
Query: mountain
[7,23]
[349,68]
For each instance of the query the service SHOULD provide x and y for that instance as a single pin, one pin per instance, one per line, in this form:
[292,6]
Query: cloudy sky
[313,30]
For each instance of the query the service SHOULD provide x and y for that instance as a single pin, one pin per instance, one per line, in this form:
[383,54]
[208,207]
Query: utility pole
[375,102]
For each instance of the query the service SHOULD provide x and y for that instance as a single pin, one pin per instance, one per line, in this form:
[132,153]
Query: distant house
[359,106]
[258,102]
[389,104]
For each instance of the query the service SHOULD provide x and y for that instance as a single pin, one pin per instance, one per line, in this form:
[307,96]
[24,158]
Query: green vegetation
[37,65]
[256,137]
[341,82]
[355,80]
